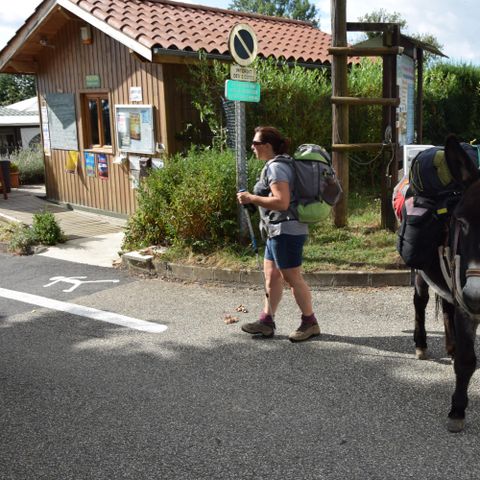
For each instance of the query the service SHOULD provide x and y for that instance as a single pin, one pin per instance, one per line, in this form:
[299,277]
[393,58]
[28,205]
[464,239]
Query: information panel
[406,109]
[134,128]
[242,91]
[62,123]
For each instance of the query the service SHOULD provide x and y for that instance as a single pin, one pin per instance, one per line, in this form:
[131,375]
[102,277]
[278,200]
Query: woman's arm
[279,200]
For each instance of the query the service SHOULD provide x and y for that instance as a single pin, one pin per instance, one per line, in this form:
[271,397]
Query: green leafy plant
[46,229]
[30,164]
[13,167]
[189,202]
[18,236]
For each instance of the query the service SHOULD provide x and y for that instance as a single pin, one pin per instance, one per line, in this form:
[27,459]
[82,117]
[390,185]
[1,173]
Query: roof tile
[173,25]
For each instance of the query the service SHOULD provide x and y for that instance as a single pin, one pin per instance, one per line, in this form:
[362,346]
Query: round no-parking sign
[243,44]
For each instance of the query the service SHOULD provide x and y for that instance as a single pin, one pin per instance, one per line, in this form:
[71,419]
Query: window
[96,114]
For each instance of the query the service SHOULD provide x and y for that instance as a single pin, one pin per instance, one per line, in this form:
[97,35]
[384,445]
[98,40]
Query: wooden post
[340,111]
[389,171]
[419,109]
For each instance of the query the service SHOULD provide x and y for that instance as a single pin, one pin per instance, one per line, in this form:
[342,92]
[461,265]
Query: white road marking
[76,282]
[82,311]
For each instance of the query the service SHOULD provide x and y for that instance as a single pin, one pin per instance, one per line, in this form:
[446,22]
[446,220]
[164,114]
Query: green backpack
[317,188]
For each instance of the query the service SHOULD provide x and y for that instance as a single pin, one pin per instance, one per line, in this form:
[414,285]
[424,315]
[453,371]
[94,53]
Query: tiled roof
[179,26]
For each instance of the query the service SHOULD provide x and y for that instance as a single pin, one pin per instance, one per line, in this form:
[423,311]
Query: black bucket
[5,167]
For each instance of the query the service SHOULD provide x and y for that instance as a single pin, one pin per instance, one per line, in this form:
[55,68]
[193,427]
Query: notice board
[62,121]
[134,128]
[406,109]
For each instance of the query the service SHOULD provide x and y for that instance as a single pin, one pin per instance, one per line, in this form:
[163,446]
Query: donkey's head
[465,232]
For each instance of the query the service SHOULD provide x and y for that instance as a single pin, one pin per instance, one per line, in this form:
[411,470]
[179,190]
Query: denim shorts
[285,250]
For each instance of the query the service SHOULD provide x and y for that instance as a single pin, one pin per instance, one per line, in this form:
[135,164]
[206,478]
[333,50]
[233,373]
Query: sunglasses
[255,143]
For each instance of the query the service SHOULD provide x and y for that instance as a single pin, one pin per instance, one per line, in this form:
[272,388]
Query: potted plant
[14,175]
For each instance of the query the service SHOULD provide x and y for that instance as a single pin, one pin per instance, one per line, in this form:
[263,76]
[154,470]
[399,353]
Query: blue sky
[454,24]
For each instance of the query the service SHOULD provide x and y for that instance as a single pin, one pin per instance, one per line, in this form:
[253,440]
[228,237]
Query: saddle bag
[421,231]
[430,174]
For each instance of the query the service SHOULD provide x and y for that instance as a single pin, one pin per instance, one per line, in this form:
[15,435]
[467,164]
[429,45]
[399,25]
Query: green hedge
[297,100]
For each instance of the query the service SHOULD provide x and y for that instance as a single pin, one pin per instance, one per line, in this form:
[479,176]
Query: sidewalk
[92,239]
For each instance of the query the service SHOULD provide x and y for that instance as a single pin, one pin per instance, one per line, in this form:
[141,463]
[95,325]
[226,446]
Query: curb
[147,264]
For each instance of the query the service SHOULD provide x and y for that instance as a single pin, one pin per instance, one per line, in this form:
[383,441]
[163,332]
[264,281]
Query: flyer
[90,164]
[102,165]
[71,162]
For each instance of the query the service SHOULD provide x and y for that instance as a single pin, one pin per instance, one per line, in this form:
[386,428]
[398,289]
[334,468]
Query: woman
[273,194]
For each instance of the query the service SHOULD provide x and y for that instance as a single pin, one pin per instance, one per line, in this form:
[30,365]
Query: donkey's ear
[462,167]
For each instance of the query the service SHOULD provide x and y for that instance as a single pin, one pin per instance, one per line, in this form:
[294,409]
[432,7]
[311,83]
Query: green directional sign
[242,91]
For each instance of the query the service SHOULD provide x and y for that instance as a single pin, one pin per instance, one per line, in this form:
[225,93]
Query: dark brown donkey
[455,277]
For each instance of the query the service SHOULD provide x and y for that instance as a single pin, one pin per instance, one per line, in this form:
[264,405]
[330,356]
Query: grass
[362,245]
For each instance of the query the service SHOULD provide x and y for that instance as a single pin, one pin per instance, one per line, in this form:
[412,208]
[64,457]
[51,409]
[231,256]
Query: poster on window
[123,130]
[71,162]
[102,164]
[90,164]
[135,129]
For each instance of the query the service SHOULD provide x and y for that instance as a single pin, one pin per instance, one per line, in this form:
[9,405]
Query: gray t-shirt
[283,172]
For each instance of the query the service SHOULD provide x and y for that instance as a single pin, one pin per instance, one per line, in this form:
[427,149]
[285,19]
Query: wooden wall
[63,69]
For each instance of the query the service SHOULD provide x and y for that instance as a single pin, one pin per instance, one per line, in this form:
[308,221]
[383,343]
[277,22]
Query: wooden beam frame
[365,51]
[394,102]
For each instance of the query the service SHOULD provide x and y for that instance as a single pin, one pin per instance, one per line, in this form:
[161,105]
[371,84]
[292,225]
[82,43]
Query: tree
[295,9]
[14,88]
[382,16]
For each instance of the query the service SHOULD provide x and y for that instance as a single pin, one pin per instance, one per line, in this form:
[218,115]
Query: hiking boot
[304,332]
[264,328]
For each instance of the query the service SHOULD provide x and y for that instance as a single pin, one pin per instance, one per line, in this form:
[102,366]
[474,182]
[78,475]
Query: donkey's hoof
[456,425]
[421,354]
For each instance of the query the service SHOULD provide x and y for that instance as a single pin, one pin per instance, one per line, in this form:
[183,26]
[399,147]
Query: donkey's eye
[464,225]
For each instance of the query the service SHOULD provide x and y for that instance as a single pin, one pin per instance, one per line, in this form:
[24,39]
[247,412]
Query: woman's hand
[244,197]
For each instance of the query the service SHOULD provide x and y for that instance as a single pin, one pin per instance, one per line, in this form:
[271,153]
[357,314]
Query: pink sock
[310,319]
[265,318]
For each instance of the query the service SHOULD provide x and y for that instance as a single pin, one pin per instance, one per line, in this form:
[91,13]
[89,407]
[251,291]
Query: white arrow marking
[82,311]
[76,282]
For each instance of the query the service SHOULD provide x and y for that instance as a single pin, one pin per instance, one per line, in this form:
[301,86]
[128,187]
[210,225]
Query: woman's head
[268,142]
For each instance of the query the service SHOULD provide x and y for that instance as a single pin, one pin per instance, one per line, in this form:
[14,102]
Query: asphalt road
[85,399]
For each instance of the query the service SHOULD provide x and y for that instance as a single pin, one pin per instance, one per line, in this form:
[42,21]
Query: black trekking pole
[255,249]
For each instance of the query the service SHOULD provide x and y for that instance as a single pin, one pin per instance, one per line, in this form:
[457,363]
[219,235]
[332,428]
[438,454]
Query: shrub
[190,202]
[19,238]
[46,229]
[30,164]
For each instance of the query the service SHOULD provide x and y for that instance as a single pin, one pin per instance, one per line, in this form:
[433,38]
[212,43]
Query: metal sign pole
[243,45]
[241,159]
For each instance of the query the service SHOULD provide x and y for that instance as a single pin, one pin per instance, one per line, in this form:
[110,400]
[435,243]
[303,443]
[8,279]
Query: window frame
[98,96]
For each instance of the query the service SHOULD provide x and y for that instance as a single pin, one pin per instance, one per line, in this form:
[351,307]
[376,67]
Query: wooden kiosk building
[107,79]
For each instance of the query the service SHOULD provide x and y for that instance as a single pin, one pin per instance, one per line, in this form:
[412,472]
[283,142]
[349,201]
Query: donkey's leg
[448,320]
[420,301]
[464,365]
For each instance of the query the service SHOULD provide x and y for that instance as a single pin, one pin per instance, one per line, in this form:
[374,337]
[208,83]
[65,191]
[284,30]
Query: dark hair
[272,136]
